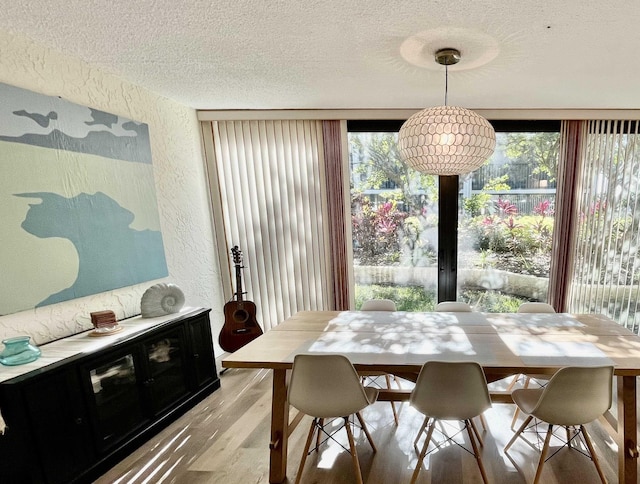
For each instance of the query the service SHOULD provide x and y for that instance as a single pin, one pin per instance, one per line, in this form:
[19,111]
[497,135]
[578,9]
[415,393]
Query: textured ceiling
[241,54]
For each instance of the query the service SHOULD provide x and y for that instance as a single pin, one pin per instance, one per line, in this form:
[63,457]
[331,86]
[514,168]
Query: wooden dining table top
[504,342]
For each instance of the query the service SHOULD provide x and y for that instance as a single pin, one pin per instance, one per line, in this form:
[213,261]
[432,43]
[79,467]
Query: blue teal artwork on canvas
[78,208]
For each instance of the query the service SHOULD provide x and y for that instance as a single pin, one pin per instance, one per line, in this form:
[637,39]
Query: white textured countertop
[84,343]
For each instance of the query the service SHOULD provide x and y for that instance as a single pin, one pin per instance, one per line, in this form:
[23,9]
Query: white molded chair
[459,307]
[529,307]
[381,305]
[574,396]
[536,307]
[450,391]
[328,386]
[453,306]
[378,305]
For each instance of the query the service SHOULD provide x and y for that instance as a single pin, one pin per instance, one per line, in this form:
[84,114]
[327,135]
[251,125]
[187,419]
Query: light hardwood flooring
[224,440]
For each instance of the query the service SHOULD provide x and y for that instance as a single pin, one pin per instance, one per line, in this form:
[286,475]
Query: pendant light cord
[446,83]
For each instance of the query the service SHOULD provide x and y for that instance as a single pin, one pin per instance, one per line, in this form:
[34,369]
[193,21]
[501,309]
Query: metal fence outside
[520,176]
[524,201]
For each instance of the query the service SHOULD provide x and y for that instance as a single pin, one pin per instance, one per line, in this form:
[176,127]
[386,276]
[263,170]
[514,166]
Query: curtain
[340,202]
[572,135]
[606,270]
[271,181]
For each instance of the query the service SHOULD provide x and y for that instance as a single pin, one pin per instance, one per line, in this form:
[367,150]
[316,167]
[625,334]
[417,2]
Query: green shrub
[414,298]
[516,243]
[407,298]
[492,301]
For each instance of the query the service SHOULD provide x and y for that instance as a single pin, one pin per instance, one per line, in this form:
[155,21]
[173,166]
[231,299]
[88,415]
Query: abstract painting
[78,209]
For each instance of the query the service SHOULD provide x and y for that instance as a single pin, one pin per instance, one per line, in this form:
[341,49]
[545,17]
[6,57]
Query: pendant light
[446,140]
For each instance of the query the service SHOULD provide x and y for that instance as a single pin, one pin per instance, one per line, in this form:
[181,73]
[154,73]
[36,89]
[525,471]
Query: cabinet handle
[79,421]
[196,355]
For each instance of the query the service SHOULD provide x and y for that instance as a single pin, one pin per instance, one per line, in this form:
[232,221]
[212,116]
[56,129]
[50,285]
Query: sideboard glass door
[118,400]
[167,375]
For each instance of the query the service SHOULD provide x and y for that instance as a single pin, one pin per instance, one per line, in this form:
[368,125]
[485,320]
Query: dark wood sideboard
[71,418]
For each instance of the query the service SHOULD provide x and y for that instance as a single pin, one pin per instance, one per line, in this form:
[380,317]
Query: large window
[505,221]
[484,238]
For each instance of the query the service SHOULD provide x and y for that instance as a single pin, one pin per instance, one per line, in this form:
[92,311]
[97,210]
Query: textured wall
[181,187]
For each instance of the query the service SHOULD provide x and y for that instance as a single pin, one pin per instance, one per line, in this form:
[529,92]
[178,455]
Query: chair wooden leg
[387,379]
[312,429]
[397,380]
[516,412]
[592,451]
[568,436]
[476,432]
[483,422]
[424,426]
[476,451]
[354,454]
[516,378]
[414,477]
[517,434]
[393,404]
[366,431]
[513,382]
[319,435]
[543,455]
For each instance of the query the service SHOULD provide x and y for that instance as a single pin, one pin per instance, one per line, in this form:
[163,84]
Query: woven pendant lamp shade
[446,140]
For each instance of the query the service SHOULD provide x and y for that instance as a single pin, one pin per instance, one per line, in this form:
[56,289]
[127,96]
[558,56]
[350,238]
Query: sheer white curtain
[606,267]
[271,180]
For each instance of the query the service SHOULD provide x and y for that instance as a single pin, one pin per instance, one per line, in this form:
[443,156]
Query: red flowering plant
[514,242]
[376,232]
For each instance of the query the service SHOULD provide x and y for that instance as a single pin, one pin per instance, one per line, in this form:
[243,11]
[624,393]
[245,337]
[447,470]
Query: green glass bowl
[18,351]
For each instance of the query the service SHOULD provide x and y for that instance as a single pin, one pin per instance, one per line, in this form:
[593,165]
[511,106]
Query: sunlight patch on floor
[150,477]
[169,471]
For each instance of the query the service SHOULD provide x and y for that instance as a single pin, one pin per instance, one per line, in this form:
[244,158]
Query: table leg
[279,431]
[627,430]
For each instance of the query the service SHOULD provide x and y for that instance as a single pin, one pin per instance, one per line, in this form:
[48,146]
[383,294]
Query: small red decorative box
[102,319]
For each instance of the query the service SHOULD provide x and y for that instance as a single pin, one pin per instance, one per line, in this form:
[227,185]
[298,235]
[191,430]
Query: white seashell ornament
[161,299]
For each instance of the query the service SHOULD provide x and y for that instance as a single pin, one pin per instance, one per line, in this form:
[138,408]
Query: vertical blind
[606,268]
[270,179]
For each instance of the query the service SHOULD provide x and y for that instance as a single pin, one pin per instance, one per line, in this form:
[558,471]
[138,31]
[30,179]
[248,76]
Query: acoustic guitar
[240,324]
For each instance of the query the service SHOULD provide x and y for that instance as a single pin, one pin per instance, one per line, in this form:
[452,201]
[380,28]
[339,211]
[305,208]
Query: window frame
[448,209]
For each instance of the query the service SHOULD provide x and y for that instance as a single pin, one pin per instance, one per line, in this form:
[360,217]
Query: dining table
[400,342]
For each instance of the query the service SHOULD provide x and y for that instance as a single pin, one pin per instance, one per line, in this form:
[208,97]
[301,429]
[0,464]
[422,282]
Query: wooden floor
[224,440]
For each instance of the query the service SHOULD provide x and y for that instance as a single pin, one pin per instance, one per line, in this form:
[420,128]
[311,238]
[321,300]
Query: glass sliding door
[506,221]
[394,215]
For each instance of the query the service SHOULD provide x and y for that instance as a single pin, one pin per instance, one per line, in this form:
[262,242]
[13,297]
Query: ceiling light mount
[448,56]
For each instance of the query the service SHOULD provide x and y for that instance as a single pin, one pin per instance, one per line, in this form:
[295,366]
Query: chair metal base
[472,432]
[372,379]
[545,447]
[317,428]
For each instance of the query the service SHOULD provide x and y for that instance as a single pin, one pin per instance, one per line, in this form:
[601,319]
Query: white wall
[181,188]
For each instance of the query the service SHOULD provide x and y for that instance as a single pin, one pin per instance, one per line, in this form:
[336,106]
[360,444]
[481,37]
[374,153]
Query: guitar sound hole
[241,315]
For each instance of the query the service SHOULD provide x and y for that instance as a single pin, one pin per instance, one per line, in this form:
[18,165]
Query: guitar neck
[238,283]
